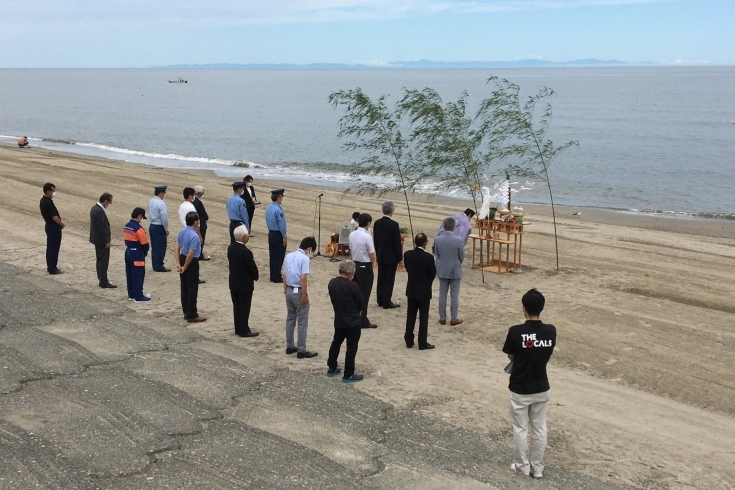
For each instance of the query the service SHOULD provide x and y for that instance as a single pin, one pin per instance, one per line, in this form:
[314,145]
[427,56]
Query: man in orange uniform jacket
[137,242]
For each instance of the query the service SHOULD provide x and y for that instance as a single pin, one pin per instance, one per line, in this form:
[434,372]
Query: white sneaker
[538,475]
[147,295]
[514,467]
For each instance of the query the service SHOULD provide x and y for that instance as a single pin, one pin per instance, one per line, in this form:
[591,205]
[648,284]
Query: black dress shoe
[369,325]
[427,347]
[277,281]
[248,334]
[391,305]
[291,350]
[109,285]
[410,346]
[165,269]
[56,272]
[204,259]
[201,281]
[306,355]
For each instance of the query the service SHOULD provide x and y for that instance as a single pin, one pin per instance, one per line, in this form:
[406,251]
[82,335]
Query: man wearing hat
[463,225]
[236,210]
[277,241]
[136,242]
[158,228]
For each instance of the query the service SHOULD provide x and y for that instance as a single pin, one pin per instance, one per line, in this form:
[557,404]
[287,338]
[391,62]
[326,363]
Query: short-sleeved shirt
[158,212]
[236,210]
[346,301]
[187,240]
[48,209]
[275,219]
[361,245]
[185,208]
[295,265]
[532,344]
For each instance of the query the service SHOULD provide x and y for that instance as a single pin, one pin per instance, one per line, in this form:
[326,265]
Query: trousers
[386,281]
[134,275]
[53,245]
[203,233]
[352,336]
[277,252]
[364,277]
[158,246]
[189,288]
[241,302]
[529,411]
[103,262]
[452,286]
[296,315]
[420,306]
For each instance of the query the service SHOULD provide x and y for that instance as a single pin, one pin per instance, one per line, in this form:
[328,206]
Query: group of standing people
[528,346]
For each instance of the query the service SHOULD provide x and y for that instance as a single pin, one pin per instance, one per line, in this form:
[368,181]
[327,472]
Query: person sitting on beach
[355,219]
[23,142]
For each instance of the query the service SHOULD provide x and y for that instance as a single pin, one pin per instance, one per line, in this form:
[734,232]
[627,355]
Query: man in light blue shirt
[296,271]
[236,210]
[158,229]
[188,248]
[275,220]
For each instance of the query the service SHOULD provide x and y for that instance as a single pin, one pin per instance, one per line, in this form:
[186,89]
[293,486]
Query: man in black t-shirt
[53,228]
[529,347]
[347,303]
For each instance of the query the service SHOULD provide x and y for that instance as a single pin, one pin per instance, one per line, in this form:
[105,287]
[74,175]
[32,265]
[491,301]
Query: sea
[652,140]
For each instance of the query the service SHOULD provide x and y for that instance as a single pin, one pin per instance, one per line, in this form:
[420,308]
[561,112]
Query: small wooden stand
[489,236]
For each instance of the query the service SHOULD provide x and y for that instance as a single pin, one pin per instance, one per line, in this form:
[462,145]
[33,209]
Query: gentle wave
[166,156]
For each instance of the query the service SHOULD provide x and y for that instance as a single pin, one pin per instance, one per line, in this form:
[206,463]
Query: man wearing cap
[188,248]
[236,210]
[277,240]
[203,216]
[158,228]
[136,242]
[462,225]
[100,236]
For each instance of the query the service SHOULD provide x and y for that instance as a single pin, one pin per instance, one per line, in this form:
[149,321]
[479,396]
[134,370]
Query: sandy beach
[642,378]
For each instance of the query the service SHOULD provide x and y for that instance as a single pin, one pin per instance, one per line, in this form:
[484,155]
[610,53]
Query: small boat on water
[178,80]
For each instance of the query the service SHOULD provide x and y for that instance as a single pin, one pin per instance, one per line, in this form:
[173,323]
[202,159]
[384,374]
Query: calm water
[651,139]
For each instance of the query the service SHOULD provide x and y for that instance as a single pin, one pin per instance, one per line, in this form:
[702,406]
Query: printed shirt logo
[529,341]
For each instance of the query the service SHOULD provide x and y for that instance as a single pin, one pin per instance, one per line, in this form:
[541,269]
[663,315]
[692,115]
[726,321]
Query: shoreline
[232,171]
[690,225]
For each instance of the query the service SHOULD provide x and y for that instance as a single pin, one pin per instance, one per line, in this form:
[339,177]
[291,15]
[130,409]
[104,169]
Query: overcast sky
[141,33]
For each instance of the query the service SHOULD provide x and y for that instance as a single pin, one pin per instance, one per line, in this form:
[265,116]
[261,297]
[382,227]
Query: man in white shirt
[295,277]
[362,249]
[187,206]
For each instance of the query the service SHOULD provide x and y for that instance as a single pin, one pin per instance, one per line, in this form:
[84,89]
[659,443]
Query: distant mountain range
[411,65]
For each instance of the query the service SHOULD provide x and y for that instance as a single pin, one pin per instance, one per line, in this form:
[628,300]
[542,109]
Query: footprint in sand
[611,361]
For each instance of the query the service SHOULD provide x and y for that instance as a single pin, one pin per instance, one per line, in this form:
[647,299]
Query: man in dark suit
[421,273]
[250,200]
[243,273]
[387,237]
[100,236]
[203,216]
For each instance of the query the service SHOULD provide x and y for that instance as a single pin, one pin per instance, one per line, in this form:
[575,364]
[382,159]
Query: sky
[144,33]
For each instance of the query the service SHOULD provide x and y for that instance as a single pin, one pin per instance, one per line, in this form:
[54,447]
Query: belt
[236,221]
[292,287]
[362,263]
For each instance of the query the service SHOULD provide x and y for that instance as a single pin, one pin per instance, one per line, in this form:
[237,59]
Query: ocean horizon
[652,140]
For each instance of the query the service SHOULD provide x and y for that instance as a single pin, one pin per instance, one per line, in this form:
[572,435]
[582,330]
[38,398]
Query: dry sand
[643,389]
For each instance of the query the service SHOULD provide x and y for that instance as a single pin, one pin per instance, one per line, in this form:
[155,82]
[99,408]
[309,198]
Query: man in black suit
[421,273]
[243,273]
[250,200]
[203,217]
[387,237]
[100,236]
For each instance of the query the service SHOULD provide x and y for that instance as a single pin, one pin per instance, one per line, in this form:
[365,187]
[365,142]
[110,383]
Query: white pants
[528,410]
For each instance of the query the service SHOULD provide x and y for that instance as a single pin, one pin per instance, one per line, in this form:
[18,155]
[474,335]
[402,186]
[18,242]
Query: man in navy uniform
[236,210]
[277,239]
[158,229]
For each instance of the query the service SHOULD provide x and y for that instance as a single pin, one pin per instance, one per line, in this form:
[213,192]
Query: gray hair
[347,267]
[198,189]
[240,232]
[388,207]
[448,224]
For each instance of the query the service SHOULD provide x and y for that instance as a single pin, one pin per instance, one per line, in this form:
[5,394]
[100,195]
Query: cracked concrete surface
[95,396]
